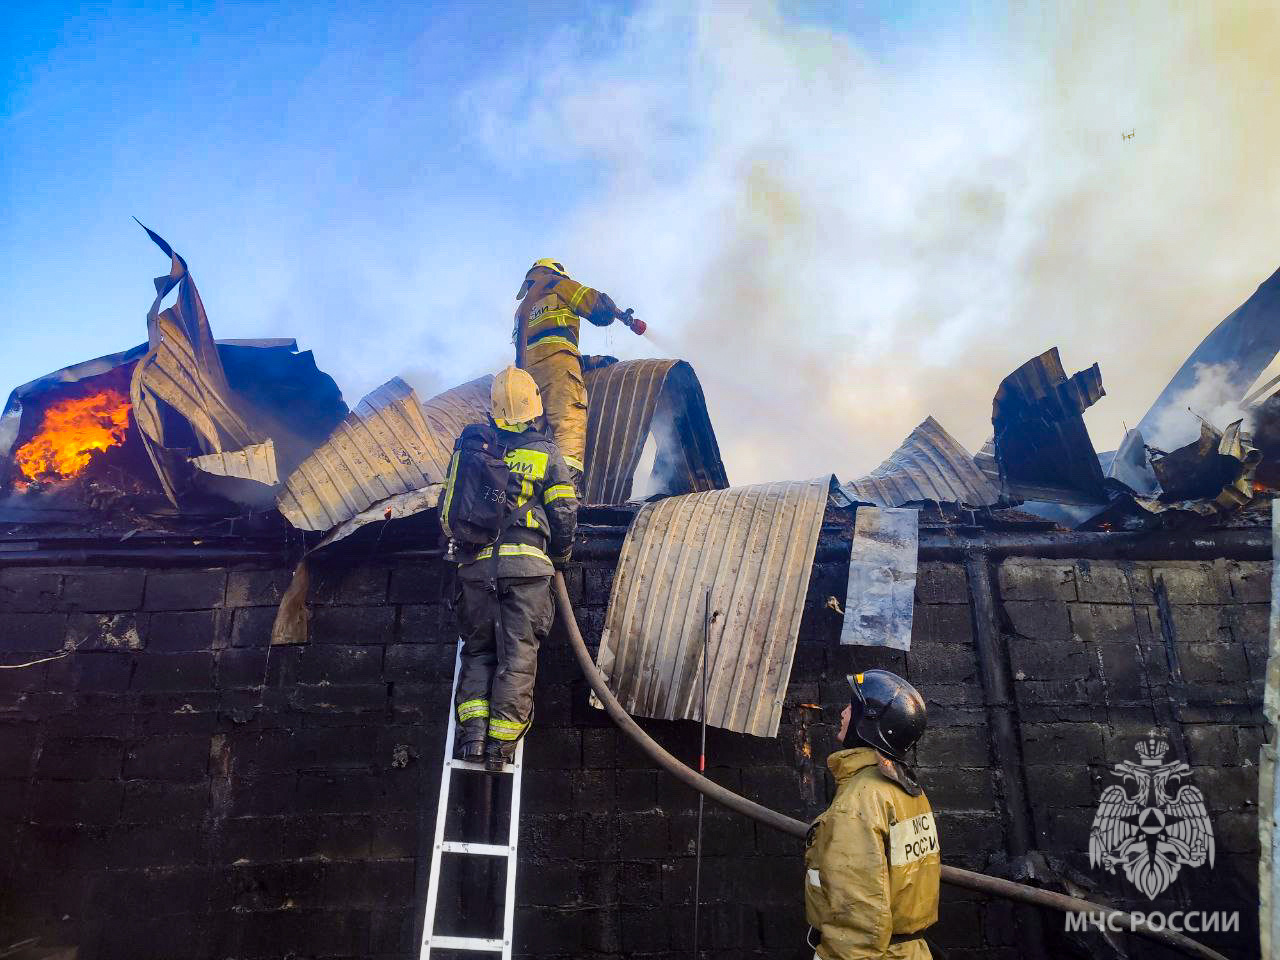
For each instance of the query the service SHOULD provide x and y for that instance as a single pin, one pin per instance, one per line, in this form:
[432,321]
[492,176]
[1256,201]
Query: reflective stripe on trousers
[501,633]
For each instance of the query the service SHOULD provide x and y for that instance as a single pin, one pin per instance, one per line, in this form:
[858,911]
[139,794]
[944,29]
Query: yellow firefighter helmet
[555,266]
[514,397]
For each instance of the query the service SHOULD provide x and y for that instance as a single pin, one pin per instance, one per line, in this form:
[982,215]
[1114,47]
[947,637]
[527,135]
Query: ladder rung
[479,849]
[472,765]
[466,943]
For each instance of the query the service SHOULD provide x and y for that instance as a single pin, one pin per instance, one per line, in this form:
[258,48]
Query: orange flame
[71,430]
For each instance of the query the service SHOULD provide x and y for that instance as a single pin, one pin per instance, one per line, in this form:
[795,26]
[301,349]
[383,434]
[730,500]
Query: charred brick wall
[176,788]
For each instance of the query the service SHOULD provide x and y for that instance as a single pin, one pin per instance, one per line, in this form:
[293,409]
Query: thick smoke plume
[843,240]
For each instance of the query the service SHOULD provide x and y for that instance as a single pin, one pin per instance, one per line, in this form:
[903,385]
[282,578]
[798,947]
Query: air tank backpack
[476,499]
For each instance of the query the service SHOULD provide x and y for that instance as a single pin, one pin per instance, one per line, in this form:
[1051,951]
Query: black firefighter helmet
[888,712]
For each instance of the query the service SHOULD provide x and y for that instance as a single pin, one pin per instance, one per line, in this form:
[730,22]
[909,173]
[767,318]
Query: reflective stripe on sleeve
[575,463]
[558,491]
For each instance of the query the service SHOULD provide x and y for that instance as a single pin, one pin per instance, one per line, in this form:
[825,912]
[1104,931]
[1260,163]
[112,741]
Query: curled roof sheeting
[448,414]
[392,444]
[752,548]
[182,369]
[381,449]
[623,401]
[930,465]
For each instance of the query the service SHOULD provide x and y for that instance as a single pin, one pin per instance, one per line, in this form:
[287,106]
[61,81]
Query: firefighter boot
[471,741]
[497,755]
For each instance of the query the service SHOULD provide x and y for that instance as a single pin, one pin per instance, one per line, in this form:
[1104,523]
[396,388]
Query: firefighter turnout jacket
[872,864]
[545,512]
[546,338]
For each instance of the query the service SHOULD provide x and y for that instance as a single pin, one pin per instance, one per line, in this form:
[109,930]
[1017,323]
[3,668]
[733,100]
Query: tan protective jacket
[873,865]
[551,312]
[546,338]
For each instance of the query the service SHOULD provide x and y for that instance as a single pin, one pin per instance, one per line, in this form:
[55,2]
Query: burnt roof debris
[207,421]
[238,429]
[1212,475]
[1041,445]
[930,466]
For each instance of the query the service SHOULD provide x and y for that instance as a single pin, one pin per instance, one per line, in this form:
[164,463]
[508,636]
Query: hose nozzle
[637,325]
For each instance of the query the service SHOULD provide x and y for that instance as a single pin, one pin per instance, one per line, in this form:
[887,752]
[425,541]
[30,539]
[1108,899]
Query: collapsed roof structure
[252,432]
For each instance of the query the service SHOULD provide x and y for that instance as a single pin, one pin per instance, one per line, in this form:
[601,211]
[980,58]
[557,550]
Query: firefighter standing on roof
[505,608]
[873,862]
[546,338]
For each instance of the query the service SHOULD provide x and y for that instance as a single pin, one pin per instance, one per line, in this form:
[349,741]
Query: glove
[561,561]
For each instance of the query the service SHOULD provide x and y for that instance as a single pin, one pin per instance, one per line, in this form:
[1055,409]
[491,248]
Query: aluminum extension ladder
[442,845]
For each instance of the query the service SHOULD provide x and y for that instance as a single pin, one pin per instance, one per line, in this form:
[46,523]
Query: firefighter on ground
[872,859]
[546,339]
[504,606]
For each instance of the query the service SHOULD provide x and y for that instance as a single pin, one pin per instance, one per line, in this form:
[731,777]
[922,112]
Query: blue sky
[243,132]
[888,184]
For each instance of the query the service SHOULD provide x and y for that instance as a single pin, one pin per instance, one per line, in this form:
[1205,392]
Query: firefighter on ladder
[546,338]
[873,862]
[505,606]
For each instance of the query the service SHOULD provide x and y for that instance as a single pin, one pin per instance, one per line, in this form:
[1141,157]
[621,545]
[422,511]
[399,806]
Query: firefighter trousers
[501,625]
[558,374]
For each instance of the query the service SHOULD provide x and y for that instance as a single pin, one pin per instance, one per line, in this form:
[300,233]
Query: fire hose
[968,879]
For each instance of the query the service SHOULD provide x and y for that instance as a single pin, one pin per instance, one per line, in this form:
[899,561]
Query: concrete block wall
[174,787]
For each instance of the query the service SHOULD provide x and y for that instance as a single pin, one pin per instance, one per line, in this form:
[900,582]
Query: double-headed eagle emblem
[1151,823]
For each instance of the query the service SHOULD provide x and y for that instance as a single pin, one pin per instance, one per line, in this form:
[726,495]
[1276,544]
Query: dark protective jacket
[546,513]
[873,864]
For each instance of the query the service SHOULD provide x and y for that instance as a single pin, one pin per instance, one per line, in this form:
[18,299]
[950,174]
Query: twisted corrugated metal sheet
[930,465]
[622,402]
[753,548]
[449,413]
[381,449]
[182,369]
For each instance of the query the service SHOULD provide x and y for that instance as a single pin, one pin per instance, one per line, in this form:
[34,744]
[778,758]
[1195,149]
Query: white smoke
[842,242]
[1214,397]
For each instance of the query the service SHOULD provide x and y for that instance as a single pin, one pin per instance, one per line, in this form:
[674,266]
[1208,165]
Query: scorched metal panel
[381,449]
[753,548]
[930,465]
[625,401]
